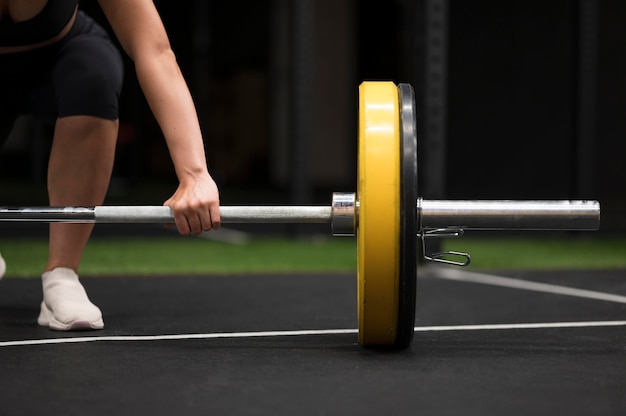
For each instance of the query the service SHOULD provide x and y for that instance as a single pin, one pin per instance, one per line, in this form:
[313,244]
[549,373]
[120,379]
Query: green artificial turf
[548,253]
[178,255]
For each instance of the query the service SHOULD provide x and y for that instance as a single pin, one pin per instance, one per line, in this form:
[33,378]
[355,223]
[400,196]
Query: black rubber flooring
[130,369]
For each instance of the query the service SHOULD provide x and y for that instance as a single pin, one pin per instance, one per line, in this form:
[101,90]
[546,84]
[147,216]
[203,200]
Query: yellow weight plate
[378,229]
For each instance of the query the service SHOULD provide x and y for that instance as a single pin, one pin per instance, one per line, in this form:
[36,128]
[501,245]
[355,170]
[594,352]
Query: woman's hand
[196,205]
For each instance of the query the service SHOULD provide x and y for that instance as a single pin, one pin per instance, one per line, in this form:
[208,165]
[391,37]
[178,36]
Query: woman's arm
[139,29]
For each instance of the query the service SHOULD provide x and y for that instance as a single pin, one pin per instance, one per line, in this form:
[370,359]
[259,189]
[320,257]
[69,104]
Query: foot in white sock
[3,267]
[66,306]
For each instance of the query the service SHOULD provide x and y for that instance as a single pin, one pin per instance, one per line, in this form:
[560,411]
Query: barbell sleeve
[510,215]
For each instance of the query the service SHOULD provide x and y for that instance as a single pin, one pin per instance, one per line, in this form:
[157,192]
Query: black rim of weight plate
[408,217]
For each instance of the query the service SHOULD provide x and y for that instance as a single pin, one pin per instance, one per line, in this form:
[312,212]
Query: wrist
[190,174]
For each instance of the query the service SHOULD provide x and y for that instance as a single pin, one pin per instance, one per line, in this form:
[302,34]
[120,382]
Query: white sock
[3,266]
[66,305]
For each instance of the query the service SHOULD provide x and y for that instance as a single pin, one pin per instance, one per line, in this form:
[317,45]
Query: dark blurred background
[517,99]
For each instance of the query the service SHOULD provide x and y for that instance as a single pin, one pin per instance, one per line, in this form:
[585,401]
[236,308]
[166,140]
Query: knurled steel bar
[163,215]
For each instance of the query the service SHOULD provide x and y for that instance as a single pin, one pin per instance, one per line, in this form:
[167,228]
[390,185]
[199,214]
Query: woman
[60,66]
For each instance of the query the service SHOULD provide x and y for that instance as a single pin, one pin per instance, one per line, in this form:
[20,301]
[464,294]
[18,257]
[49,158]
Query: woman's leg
[79,171]
[7,120]
[83,91]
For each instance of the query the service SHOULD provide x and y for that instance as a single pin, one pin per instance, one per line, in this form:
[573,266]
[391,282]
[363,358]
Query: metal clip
[441,233]
[440,257]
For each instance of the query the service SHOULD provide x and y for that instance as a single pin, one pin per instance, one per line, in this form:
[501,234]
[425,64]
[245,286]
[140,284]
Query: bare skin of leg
[79,172]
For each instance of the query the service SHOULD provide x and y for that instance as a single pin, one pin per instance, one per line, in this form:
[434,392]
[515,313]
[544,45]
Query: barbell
[386,214]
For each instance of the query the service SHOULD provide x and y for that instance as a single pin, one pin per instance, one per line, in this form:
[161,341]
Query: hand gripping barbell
[386,215]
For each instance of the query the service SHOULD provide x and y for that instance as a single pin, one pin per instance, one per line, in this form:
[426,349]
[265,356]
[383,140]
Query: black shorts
[82,74]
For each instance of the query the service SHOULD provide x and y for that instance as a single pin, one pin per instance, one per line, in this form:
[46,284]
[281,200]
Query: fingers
[195,220]
[214,216]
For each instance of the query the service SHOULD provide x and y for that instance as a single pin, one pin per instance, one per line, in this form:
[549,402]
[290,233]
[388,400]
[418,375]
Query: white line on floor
[175,337]
[488,279]
[268,334]
[543,325]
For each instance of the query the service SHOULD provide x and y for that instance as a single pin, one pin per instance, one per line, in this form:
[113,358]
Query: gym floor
[285,345]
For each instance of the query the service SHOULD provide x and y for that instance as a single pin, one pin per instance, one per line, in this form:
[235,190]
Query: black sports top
[47,24]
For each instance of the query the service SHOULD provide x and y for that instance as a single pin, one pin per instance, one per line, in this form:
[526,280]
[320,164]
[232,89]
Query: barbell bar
[386,215]
[487,215]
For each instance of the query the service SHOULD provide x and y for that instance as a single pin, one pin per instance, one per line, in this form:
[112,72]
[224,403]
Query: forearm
[172,105]
[140,31]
